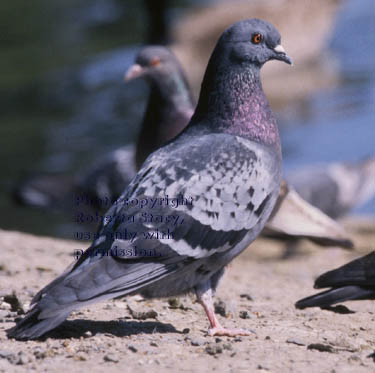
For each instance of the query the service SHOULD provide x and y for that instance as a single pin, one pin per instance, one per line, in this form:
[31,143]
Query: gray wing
[231,185]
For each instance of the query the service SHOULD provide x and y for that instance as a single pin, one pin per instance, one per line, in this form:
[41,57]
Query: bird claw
[223,332]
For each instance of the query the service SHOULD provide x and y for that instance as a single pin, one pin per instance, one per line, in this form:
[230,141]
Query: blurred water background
[63,102]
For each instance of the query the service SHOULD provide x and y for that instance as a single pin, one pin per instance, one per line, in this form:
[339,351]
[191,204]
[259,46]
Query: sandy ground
[258,293]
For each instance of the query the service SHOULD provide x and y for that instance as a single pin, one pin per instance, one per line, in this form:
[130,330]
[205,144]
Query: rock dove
[197,202]
[336,188]
[353,281]
[169,108]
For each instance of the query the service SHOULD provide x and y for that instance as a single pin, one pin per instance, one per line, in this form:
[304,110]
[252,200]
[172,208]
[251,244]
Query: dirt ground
[258,293]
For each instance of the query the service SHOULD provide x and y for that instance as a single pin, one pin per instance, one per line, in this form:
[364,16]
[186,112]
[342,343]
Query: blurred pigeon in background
[353,281]
[293,218]
[169,108]
[336,188]
[226,166]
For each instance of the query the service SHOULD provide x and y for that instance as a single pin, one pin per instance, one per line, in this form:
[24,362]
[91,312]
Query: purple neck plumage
[234,102]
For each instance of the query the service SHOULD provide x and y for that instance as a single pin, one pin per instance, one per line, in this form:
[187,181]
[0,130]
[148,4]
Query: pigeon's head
[153,63]
[253,41]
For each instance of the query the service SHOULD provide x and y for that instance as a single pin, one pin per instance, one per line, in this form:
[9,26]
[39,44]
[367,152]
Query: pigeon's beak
[134,72]
[281,55]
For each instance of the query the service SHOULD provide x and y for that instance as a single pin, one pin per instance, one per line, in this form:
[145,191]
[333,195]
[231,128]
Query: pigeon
[195,204]
[353,281]
[336,188]
[169,108]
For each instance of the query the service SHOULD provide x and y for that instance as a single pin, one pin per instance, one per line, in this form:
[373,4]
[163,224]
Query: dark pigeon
[170,107]
[353,281]
[198,202]
[336,188]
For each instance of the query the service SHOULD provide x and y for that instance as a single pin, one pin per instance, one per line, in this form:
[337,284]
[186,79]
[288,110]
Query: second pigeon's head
[154,63]
[159,67]
[252,41]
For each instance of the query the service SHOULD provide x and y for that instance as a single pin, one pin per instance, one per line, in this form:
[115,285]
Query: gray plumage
[226,164]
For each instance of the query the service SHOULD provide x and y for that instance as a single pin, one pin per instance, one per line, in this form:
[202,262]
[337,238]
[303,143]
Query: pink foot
[221,331]
[204,295]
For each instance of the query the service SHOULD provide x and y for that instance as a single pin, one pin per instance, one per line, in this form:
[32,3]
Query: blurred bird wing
[296,217]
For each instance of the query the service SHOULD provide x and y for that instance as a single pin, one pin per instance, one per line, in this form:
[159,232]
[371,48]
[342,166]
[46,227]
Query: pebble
[4,354]
[80,357]
[261,367]
[174,303]
[142,315]
[20,359]
[197,341]
[111,358]
[354,358]
[14,302]
[246,296]
[39,353]
[220,308]
[132,348]
[5,306]
[245,315]
[228,346]
[214,349]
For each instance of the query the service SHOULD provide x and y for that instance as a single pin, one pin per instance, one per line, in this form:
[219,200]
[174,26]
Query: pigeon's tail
[93,278]
[338,295]
[44,190]
[359,272]
[31,326]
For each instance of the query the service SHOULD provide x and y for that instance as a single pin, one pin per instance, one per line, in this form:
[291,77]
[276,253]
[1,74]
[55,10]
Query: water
[63,102]
[340,125]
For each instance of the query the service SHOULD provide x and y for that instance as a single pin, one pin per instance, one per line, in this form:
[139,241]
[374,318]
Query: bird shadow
[338,309]
[76,329]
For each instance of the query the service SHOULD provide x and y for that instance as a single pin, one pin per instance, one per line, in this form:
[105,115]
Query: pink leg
[204,295]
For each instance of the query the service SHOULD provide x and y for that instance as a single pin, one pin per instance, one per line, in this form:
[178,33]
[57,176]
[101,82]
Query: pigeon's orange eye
[256,38]
[155,61]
